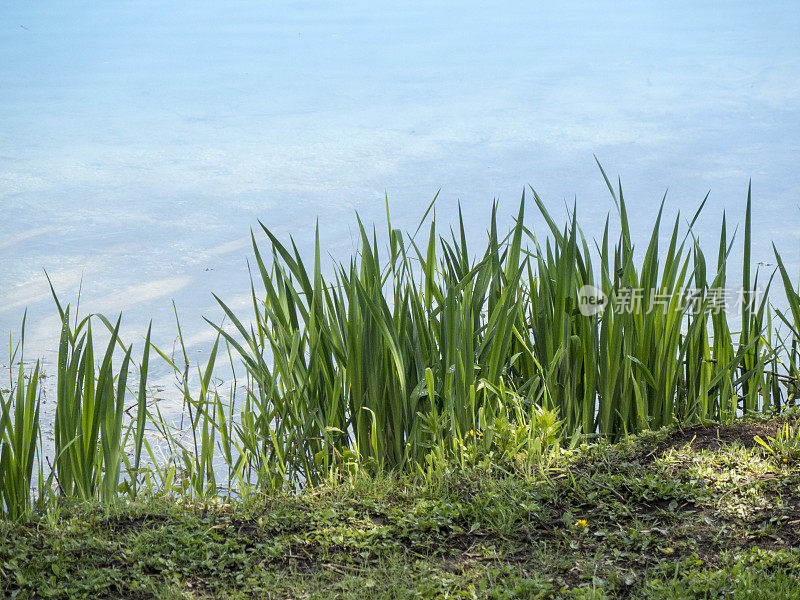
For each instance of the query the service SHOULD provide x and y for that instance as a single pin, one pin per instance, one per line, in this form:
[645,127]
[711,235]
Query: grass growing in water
[391,360]
[422,353]
[19,439]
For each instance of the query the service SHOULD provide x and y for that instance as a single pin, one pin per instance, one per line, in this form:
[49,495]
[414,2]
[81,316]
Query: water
[139,141]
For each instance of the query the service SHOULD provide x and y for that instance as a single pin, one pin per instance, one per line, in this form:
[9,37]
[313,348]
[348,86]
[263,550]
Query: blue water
[140,141]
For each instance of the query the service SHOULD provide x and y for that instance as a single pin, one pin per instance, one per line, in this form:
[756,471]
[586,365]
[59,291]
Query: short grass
[703,512]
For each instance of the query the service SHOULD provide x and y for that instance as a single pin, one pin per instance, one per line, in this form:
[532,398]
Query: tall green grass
[791,319]
[391,356]
[19,440]
[90,435]
[419,349]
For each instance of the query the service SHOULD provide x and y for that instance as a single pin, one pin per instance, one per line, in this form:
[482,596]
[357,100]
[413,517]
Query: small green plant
[525,435]
[203,417]
[784,445]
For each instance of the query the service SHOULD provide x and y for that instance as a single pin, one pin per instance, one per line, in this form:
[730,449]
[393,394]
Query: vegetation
[416,370]
[704,512]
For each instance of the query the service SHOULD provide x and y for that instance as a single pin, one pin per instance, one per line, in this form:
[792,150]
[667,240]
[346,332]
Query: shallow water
[139,142]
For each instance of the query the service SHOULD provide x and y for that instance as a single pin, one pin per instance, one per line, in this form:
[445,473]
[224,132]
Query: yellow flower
[581,523]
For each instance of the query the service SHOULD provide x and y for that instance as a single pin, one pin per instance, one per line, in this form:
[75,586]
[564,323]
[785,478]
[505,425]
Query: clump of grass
[791,319]
[90,436]
[392,358]
[19,441]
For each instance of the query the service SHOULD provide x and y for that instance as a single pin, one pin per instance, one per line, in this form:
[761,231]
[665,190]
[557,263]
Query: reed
[203,422]
[395,355]
[791,347]
[89,429]
[19,441]
[419,350]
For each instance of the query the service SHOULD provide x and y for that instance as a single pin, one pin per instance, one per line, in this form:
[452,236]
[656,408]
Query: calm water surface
[140,141]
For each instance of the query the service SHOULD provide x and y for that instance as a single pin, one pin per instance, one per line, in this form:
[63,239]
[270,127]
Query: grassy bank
[703,512]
